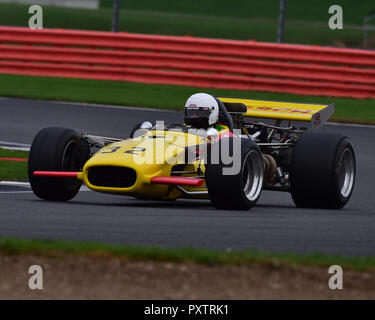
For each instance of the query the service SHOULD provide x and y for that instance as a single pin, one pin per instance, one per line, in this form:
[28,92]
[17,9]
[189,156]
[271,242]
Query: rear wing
[316,114]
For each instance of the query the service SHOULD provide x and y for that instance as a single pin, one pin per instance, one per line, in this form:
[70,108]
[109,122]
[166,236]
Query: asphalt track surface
[275,224]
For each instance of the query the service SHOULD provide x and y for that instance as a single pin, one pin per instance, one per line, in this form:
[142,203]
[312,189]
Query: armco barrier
[199,62]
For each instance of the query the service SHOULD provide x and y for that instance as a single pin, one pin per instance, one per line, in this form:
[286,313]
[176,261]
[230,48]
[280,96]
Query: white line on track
[110,106]
[84,188]
[15,184]
[15,146]
[97,105]
[357,125]
[11,192]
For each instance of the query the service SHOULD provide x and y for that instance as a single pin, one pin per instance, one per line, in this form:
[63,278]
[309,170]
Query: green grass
[210,18]
[161,96]
[5,153]
[306,10]
[203,256]
[10,170]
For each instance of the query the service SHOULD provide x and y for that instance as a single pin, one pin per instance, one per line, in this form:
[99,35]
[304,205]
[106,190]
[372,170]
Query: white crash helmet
[201,111]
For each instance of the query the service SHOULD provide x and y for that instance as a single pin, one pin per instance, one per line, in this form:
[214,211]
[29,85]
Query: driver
[201,111]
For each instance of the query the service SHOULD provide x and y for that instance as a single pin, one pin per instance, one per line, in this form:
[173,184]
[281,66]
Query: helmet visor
[197,117]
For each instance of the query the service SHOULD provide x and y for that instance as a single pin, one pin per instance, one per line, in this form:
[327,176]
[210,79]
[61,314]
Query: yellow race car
[222,152]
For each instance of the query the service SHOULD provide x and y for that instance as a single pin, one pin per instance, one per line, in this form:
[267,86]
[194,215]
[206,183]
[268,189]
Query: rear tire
[239,191]
[322,171]
[57,149]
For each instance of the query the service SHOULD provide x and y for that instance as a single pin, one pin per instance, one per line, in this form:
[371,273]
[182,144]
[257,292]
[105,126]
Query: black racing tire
[239,191]
[137,131]
[56,149]
[323,170]
[136,128]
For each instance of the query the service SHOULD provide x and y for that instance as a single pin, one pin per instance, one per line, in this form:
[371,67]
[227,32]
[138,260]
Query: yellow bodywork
[153,154]
[157,151]
[293,111]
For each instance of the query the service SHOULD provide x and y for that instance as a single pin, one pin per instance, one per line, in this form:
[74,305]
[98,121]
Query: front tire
[138,131]
[239,191]
[56,149]
[322,171]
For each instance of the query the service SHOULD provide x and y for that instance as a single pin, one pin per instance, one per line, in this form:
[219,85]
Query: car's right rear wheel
[322,171]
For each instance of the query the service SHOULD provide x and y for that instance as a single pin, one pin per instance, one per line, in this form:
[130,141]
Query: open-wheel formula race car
[221,152]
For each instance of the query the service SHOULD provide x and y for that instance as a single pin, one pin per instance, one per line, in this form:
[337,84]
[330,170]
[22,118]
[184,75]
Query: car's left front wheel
[56,149]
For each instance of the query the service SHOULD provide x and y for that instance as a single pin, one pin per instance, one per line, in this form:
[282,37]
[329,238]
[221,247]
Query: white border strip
[15,184]
[84,188]
[110,106]
[10,192]
[15,146]
[357,125]
[95,105]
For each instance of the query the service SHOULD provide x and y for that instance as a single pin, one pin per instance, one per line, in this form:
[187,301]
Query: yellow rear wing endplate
[316,114]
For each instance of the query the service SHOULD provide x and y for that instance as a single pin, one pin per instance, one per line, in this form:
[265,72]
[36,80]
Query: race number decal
[136,151]
[111,150]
